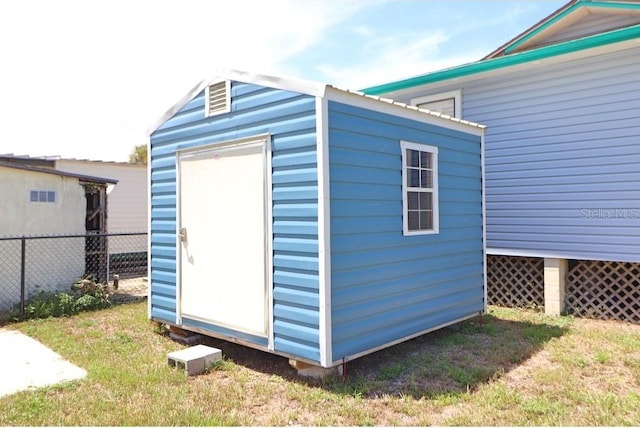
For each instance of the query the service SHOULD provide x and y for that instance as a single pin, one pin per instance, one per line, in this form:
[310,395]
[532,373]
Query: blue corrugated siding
[290,119]
[562,157]
[386,286]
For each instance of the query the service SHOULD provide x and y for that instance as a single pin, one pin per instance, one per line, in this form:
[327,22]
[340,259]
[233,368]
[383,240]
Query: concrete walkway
[26,363]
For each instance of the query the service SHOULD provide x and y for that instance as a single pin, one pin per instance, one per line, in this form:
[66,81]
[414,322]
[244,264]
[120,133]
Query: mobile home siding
[63,260]
[387,286]
[290,120]
[562,159]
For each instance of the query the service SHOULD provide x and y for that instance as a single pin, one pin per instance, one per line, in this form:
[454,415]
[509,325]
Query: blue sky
[85,79]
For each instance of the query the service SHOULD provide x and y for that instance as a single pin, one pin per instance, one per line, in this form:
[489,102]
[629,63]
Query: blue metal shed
[313,222]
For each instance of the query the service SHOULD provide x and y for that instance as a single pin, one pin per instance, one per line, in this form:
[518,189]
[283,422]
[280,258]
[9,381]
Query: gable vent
[218,98]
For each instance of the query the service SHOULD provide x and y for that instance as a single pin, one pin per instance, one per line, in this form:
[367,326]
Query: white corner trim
[178,242]
[455,95]
[484,221]
[324,232]
[269,239]
[149,207]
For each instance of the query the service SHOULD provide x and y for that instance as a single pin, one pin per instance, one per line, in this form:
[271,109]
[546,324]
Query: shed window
[448,103]
[419,188]
[218,98]
[42,196]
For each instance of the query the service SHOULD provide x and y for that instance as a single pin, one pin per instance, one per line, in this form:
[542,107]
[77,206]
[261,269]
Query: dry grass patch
[510,367]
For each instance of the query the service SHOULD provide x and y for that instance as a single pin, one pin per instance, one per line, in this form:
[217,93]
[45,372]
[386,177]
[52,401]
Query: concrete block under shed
[317,372]
[195,359]
[184,336]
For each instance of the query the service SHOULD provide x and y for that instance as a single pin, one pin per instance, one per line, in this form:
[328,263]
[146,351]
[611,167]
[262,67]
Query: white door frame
[265,140]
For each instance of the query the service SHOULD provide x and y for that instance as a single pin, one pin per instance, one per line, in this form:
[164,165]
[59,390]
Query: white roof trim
[296,85]
[314,89]
[405,110]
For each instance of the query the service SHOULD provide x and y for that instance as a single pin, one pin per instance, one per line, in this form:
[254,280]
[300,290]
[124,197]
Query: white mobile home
[41,201]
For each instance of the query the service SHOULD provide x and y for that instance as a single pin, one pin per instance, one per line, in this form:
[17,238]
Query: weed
[602,357]
[390,371]
[223,364]
[85,295]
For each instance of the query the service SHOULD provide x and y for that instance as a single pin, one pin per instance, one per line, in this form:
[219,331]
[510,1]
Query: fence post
[106,250]
[22,275]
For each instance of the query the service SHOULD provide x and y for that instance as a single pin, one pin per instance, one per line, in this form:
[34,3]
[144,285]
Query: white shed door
[223,277]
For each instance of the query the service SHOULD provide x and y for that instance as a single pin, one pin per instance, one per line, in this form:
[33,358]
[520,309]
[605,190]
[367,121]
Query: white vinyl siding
[419,188]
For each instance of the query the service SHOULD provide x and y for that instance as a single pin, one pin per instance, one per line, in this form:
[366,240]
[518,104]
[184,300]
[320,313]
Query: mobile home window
[42,196]
[448,103]
[419,188]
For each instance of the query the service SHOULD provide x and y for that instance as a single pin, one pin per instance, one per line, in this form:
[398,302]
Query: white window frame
[404,146]
[207,107]
[47,196]
[455,95]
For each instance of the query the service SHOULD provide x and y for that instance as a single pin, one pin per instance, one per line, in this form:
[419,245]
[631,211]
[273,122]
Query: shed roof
[529,46]
[315,89]
[44,170]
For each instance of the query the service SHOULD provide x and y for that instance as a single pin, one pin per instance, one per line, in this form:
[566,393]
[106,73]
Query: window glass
[42,195]
[420,188]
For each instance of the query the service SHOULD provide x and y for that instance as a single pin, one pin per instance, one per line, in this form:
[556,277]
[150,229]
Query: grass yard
[509,367]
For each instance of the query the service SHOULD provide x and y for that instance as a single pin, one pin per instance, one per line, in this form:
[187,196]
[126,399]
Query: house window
[448,103]
[42,196]
[419,188]
[218,98]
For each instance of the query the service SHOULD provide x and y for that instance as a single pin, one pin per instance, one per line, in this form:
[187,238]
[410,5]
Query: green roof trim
[594,41]
[613,5]
[566,12]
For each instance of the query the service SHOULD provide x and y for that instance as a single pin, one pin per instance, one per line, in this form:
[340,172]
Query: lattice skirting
[604,290]
[515,281]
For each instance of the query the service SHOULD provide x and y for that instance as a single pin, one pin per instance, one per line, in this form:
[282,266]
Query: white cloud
[86,79]
[394,58]
[363,30]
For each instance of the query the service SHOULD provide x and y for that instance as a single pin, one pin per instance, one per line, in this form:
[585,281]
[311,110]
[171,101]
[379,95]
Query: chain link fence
[31,264]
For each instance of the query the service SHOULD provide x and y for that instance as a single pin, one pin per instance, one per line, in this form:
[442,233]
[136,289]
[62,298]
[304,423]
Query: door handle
[182,234]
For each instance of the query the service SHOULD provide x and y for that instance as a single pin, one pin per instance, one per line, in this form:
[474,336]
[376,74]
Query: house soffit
[574,22]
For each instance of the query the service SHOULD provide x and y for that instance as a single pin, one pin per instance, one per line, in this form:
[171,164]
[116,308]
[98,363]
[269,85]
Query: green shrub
[86,295]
